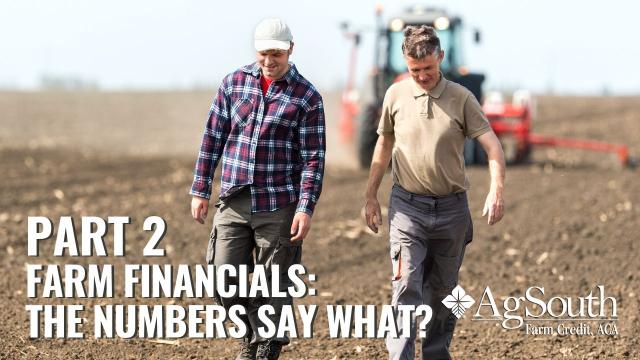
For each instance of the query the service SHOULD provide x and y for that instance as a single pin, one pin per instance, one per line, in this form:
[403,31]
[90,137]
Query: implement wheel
[367,136]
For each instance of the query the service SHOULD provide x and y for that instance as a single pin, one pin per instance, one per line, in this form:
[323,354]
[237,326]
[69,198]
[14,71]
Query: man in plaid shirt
[266,124]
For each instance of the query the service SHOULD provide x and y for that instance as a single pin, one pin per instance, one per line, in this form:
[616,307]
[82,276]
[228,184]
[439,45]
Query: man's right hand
[379,164]
[372,214]
[199,208]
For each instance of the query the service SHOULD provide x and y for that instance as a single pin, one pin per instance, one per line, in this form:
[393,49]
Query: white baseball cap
[272,34]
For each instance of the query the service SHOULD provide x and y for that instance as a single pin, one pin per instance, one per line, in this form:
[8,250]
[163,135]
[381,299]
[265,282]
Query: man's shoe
[268,350]
[247,350]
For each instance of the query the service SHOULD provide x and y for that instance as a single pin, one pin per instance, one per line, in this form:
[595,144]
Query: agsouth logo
[534,308]
[458,301]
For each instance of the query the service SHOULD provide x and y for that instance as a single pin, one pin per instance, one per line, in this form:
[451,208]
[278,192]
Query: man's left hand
[494,207]
[300,226]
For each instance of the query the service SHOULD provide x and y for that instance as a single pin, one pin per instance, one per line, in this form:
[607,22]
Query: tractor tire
[474,153]
[367,135]
[469,152]
[480,155]
[510,150]
[525,154]
[515,152]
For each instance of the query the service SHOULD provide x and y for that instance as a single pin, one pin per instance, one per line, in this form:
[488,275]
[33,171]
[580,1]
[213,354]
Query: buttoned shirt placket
[256,131]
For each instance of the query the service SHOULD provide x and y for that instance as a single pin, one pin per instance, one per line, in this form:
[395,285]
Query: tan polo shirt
[430,130]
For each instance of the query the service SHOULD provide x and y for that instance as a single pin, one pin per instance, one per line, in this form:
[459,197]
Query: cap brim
[262,45]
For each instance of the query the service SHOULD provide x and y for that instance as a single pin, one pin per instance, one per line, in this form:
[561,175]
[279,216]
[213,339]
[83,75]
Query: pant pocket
[444,274]
[469,235]
[287,253]
[396,261]
[276,249]
[211,247]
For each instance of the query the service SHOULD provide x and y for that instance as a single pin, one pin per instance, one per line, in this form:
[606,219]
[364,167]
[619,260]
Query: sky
[562,47]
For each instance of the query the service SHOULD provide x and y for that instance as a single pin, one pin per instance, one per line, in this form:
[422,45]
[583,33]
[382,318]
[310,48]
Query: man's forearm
[311,184]
[492,147]
[496,168]
[209,155]
[379,164]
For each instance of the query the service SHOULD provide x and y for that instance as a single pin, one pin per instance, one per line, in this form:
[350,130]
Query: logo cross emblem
[458,301]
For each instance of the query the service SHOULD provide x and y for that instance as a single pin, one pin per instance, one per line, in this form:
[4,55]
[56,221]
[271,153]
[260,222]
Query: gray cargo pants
[428,237]
[240,237]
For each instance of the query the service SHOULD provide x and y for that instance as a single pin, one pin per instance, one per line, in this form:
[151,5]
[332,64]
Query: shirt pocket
[242,111]
[286,115]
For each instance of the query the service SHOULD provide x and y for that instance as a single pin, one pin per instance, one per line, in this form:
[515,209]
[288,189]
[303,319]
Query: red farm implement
[512,124]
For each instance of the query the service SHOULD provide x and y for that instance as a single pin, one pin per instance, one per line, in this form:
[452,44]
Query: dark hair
[420,41]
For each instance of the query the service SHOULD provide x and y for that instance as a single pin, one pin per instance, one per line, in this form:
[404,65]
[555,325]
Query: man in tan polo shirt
[425,120]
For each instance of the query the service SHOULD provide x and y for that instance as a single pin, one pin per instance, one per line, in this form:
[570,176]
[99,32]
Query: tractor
[389,66]
[510,122]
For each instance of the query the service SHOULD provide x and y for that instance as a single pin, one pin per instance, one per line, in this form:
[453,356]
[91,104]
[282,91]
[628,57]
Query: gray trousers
[242,238]
[428,237]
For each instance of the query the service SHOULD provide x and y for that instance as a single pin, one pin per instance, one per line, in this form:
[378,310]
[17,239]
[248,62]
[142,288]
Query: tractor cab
[390,60]
[390,66]
[511,123]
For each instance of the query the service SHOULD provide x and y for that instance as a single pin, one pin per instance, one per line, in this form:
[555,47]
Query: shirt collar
[435,92]
[254,69]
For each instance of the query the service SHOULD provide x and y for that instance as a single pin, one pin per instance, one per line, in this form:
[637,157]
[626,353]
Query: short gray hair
[420,41]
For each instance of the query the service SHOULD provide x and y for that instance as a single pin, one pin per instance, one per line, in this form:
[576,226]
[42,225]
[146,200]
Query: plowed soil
[572,222]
